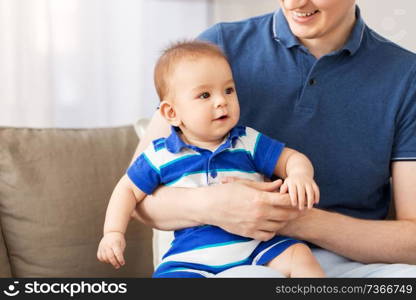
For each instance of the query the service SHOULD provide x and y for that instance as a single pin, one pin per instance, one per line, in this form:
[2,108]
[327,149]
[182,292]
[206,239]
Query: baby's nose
[220,101]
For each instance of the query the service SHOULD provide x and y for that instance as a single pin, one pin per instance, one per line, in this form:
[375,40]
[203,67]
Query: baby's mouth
[223,117]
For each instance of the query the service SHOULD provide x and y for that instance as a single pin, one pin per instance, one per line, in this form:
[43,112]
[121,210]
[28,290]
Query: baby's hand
[111,249]
[301,188]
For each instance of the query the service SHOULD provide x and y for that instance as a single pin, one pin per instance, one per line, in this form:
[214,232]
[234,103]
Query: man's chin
[306,33]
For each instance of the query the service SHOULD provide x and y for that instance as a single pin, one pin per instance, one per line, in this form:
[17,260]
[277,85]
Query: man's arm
[368,241]
[249,209]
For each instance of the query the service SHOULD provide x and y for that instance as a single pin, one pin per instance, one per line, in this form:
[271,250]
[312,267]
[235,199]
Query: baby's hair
[176,52]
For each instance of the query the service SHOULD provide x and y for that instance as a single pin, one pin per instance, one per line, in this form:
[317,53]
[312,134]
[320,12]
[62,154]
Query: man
[314,75]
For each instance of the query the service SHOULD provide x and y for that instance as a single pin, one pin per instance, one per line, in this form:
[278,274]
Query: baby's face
[204,97]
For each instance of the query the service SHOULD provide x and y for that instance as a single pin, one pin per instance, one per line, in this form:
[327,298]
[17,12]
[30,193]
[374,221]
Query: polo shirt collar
[357,33]
[283,34]
[175,144]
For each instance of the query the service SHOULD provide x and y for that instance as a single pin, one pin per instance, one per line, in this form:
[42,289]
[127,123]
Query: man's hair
[174,54]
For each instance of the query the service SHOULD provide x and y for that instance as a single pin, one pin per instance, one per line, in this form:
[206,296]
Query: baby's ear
[168,112]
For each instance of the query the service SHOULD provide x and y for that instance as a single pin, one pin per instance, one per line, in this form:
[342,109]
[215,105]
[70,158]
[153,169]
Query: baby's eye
[229,90]
[204,95]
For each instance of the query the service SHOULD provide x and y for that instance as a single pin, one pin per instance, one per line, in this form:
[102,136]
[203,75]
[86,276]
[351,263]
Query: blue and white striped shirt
[169,161]
[245,153]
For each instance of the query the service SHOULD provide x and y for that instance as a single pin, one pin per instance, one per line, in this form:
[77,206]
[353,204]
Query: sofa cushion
[4,259]
[54,188]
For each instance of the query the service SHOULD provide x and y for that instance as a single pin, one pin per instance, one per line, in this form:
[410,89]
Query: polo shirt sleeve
[213,34]
[144,172]
[404,147]
[209,35]
[265,151]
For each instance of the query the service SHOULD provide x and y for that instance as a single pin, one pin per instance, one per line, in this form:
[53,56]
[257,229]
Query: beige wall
[393,19]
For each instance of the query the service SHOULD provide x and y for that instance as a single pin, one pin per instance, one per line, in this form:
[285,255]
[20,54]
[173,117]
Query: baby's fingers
[301,196]
[99,256]
[293,194]
[119,255]
[317,193]
[310,195]
[111,258]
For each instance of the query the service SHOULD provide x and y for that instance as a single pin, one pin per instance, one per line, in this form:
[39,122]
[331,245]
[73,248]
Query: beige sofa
[54,189]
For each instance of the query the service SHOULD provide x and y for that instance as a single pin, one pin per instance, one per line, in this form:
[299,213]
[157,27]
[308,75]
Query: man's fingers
[272,226]
[276,199]
[280,214]
[283,188]
[264,235]
[272,186]
[280,208]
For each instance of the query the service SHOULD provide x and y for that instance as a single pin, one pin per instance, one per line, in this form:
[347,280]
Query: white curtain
[25,76]
[86,63]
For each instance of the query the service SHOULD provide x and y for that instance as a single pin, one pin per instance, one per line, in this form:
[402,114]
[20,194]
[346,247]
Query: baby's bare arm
[292,162]
[122,203]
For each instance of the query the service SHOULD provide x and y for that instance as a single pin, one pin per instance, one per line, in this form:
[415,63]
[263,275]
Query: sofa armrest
[140,127]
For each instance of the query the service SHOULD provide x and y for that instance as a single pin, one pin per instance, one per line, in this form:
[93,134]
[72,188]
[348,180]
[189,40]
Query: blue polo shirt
[352,112]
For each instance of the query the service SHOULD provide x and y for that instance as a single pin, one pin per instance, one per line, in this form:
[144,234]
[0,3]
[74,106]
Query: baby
[198,98]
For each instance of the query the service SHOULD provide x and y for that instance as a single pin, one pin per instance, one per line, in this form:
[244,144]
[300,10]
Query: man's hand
[253,209]
[111,249]
[302,189]
[243,207]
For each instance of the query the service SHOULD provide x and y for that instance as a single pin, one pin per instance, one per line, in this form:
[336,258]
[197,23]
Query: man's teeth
[304,14]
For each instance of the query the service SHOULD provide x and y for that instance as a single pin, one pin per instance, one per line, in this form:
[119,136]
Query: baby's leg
[297,261]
